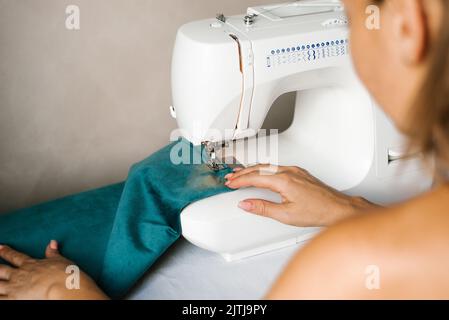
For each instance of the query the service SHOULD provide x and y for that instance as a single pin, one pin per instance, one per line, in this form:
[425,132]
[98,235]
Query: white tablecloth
[188,272]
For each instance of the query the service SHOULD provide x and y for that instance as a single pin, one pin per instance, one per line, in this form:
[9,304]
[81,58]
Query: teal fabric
[116,233]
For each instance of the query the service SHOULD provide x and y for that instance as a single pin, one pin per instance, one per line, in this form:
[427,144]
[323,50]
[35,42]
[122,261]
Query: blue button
[332,43]
[303,47]
[313,46]
[273,52]
[288,49]
[283,50]
[278,51]
[327,43]
[318,45]
[323,44]
[308,46]
[337,42]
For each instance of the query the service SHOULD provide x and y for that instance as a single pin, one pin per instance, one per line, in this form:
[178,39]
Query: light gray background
[77,108]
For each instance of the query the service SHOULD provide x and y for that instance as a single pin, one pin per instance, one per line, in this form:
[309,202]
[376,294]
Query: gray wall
[77,108]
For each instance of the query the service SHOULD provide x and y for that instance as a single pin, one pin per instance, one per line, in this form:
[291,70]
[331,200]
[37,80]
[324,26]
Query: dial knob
[249,19]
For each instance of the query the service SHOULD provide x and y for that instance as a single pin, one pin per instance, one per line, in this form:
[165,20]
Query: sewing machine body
[226,76]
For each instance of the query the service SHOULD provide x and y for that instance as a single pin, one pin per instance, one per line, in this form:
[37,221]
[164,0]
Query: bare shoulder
[400,252]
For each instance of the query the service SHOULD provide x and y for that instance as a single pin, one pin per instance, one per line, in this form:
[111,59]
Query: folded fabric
[116,233]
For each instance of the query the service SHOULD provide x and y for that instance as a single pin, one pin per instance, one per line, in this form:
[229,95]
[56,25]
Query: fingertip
[53,245]
[52,249]
[246,205]
[1,246]
[230,185]
[237,169]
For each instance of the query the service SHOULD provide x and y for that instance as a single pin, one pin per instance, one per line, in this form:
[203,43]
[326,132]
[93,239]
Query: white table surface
[187,272]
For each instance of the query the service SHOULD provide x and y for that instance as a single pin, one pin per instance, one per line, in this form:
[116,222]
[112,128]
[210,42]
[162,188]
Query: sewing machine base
[231,257]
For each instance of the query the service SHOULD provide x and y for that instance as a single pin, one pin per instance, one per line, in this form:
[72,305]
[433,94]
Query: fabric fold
[116,233]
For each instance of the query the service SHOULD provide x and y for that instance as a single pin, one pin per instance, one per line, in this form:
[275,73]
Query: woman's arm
[306,201]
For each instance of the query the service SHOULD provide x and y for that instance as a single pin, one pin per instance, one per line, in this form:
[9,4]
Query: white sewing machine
[226,75]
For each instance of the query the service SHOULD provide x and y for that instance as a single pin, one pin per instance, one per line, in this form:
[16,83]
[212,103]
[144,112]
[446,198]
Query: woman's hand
[32,279]
[306,201]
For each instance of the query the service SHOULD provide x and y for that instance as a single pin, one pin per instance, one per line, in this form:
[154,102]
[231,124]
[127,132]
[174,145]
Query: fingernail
[228,176]
[54,245]
[245,205]
[1,246]
[227,183]
[238,169]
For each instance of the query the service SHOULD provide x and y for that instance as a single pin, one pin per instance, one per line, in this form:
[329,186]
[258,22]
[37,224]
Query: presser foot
[215,166]
[228,163]
[216,160]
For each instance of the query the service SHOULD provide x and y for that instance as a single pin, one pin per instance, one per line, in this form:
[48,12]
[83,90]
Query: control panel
[306,53]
